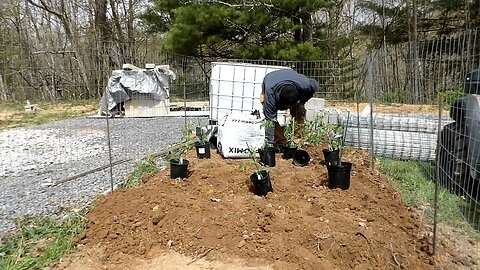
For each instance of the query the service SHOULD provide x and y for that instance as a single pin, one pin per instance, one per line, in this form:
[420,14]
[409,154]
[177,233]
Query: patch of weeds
[11,105]
[38,119]
[314,131]
[450,95]
[418,190]
[47,111]
[39,242]
[143,167]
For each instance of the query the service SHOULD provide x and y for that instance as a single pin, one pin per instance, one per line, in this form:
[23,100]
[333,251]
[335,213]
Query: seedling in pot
[259,167]
[260,178]
[175,155]
[333,138]
[201,133]
[267,151]
[202,145]
[344,135]
[339,173]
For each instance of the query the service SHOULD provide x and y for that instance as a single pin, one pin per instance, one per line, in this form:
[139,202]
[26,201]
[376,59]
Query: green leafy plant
[266,123]
[252,161]
[146,165]
[313,131]
[186,142]
[173,154]
[201,133]
[317,132]
[289,132]
[333,136]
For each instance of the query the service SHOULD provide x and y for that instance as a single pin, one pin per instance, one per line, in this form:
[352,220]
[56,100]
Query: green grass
[48,111]
[40,242]
[412,180]
[11,105]
[33,119]
[143,167]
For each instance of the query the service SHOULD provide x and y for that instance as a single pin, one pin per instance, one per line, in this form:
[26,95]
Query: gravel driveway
[33,158]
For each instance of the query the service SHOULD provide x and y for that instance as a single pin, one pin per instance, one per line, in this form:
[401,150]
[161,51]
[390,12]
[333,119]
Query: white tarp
[125,83]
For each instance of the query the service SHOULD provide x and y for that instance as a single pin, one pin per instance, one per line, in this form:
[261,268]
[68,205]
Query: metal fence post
[370,86]
[437,168]
[107,117]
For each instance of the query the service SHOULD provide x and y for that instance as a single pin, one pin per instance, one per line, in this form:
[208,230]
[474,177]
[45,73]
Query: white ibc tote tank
[236,88]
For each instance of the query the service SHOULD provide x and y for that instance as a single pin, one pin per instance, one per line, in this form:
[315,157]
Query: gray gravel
[35,157]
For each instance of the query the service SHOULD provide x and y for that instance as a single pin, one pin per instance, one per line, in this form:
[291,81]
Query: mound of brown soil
[301,225]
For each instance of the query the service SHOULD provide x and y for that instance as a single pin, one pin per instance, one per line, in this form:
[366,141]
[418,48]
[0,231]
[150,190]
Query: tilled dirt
[214,216]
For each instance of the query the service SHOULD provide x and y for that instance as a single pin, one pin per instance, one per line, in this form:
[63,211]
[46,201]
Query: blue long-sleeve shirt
[274,81]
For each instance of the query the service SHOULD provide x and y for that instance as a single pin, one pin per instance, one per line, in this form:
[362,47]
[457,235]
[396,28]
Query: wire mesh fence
[421,109]
[401,98]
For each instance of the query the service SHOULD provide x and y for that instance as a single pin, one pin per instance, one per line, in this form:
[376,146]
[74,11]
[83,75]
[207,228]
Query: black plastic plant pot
[301,158]
[331,157]
[288,152]
[261,183]
[267,156]
[339,175]
[177,169]
[203,150]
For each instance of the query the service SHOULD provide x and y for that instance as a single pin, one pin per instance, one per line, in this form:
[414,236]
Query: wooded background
[59,49]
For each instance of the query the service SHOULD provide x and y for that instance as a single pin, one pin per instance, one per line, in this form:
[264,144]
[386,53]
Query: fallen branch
[328,250]
[395,257]
[364,236]
[200,256]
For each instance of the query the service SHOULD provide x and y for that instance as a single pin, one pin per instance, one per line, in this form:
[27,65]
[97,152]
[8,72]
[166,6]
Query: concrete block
[315,104]
[311,115]
[129,67]
[149,66]
[332,117]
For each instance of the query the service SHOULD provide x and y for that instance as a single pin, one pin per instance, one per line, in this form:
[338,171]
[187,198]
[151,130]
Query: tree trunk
[3,89]
[62,15]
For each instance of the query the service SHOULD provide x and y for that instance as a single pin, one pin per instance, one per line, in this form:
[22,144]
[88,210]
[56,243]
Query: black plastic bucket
[301,158]
[331,157]
[261,183]
[267,156]
[288,152]
[178,170]
[339,175]
[203,150]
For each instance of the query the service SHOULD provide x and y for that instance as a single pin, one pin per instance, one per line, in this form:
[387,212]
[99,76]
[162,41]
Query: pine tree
[258,29]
